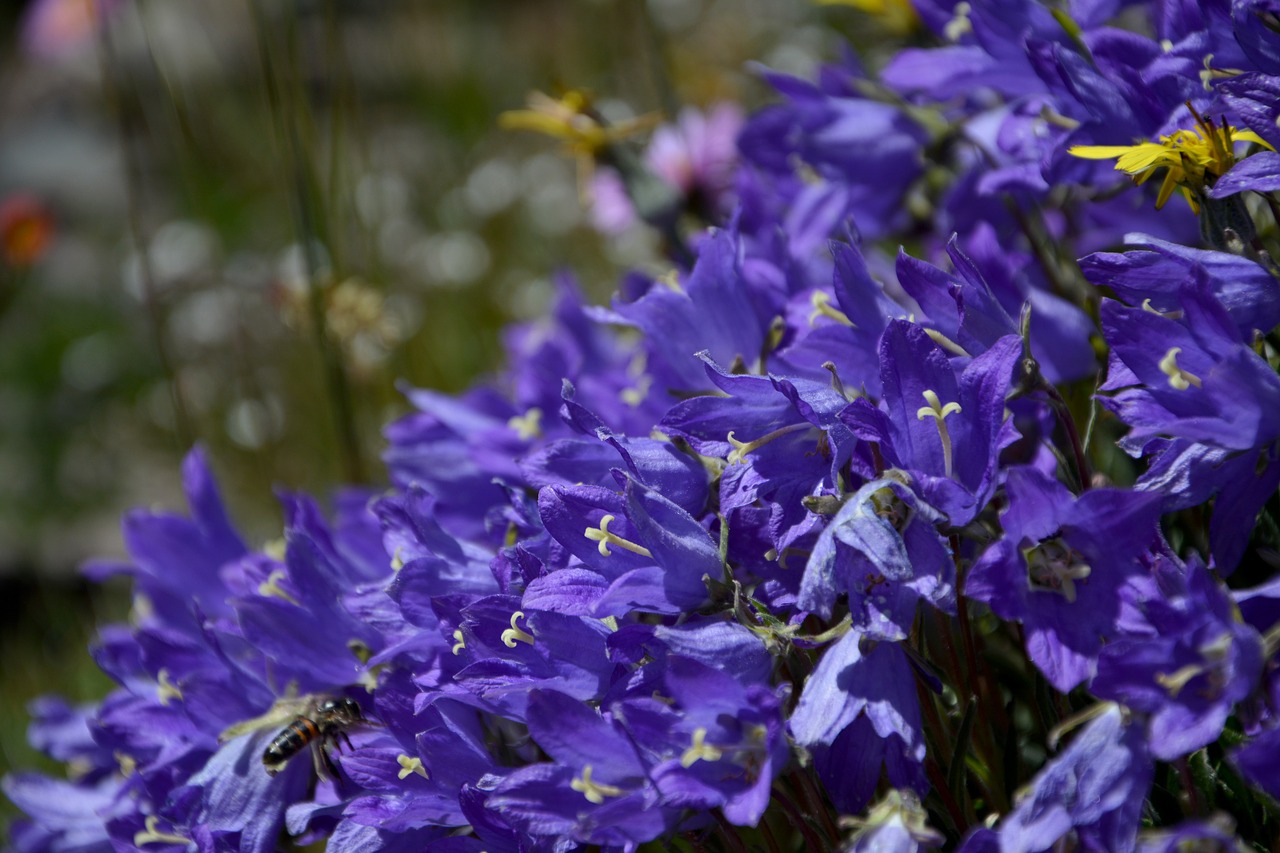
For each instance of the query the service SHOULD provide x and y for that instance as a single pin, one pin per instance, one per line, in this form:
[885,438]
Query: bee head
[342,707]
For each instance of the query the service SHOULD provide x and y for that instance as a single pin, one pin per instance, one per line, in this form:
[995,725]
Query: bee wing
[284,711]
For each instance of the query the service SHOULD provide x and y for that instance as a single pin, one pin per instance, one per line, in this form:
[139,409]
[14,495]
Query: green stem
[729,833]
[768,837]
[304,199]
[801,822]
[1190,793]
[939,736]
[813,797]
[112,90]
[1068,422]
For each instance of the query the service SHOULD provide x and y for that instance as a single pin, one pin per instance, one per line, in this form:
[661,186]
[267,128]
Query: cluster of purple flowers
[826,546]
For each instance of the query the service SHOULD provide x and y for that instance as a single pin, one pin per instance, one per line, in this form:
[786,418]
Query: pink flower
[52,29]
[696,155]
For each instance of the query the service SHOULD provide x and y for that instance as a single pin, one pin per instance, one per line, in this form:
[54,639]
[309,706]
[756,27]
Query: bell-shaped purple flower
[1059,567]
[597,790]
[882,550]
[946,433]
[859,716]
[1190,672]
[1095,790]
[865,152]
[1195,380]
[644,552]
[719,743]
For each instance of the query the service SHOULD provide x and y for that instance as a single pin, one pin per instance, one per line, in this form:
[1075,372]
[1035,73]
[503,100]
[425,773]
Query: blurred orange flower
[26,229]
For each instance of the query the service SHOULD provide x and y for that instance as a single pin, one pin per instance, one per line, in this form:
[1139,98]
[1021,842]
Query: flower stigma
[529,425]
[595,792]
[1179,379]
[411,765]
[945,342]
[1052,565]
[737,456]
[939,413]
[514,635]
[272,589]
[1213,654]
[822,307]
[602,535]
[166,690]
[636,394]
[153,835]
[959,26]
[700,750]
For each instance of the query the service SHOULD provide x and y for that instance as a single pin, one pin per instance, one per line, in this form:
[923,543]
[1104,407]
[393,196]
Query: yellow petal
[1250,136]
[1098,152]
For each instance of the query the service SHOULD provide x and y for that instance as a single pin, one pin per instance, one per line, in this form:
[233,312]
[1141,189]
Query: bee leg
[320,760]
[329,762]
[322,748]
[343,735]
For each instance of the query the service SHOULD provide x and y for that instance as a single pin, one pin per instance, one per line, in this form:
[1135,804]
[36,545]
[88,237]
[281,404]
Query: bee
[316,721]
[324,727]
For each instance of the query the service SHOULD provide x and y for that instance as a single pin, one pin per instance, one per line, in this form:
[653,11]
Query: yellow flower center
[271,587]
[514,635]
[410,765]
[700,750]
[1193,159]
[1179,379]
[529,425]
[595,792]
[939,413]
[602,535]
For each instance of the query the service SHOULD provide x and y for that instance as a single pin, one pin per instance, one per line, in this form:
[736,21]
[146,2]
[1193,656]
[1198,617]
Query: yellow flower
[898,16]
[571,119]
[1193,159]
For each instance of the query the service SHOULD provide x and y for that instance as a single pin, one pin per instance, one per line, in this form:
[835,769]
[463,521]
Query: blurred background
[242,223]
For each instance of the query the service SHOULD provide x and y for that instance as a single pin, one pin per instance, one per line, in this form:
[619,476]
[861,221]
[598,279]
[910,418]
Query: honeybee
[318,722]
[324,728]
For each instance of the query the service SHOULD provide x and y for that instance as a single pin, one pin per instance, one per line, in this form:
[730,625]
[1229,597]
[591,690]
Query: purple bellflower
[597,791]
[636,550]
[662,585]
[865,154]
[858,714]
[714,742]
[882,550]
[1194,380]
[1190,673]
[944,431]
[781,438]
[1092,793]
[1059,568]
[980,303]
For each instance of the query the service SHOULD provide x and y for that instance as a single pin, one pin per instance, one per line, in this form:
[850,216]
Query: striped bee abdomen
[291,741]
